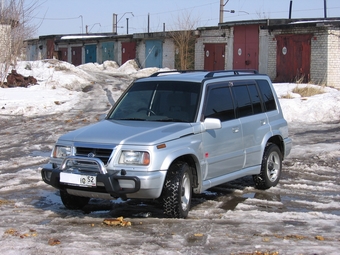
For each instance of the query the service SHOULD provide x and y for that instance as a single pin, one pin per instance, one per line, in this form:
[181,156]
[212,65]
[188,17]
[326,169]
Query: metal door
[90,53]
[33,55]
[153,53]
[293,58]
[63,54]
[107,51]
[246,47]
[50,48]
[76,55]
[128,51]
[214,56]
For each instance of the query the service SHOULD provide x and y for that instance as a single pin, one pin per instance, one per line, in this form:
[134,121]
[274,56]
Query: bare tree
[184,40]
[15,27]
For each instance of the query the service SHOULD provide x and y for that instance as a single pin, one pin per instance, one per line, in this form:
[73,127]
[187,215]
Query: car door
[223,148]
[253,119]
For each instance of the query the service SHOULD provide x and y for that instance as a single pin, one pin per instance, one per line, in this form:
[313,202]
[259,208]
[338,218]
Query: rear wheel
[73,202]
[177,190]
[270,169]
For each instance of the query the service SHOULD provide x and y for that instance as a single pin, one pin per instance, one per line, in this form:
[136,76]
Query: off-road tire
[73,202]
[271,168]
[177,191]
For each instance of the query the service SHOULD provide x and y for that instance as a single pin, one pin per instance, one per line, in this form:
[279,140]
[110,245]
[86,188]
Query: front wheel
[73,202]
[177,190]
[270,169]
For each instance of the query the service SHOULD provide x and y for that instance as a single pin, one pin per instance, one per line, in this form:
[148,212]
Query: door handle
[236,129]
[263,122]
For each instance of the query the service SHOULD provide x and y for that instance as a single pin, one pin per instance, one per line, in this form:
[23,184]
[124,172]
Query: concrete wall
[140,53]
[264,40]
[169,53]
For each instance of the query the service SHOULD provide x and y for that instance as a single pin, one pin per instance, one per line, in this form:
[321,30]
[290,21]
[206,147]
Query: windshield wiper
[132,119]
[170,120]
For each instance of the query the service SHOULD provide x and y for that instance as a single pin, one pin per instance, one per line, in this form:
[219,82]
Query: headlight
[135,158]
[61,151]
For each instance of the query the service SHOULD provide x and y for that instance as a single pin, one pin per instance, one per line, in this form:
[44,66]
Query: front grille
[102,154]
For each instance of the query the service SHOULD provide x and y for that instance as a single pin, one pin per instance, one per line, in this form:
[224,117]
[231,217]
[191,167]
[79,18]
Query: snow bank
[61,84]
[319,108]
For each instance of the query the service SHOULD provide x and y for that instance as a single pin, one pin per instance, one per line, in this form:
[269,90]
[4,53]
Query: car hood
[128,132]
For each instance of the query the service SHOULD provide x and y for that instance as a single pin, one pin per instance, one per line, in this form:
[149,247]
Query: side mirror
[212,123]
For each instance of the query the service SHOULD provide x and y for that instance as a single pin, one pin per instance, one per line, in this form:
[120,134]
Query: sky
[73,16]
[299,216]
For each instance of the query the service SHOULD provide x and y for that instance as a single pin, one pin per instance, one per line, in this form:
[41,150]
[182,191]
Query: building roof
[286,23]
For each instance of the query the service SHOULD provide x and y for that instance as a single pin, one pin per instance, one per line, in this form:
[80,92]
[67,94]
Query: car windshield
[159,101]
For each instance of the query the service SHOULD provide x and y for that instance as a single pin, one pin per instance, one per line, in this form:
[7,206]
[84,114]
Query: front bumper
[116,184]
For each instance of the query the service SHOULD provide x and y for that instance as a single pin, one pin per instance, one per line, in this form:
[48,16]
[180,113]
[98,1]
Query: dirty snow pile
[61,84]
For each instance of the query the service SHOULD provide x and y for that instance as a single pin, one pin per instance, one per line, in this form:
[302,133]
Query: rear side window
[220,104]
[267,95]
[243,102]
[255,98]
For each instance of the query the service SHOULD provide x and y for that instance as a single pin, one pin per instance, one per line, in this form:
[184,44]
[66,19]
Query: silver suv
[174,134]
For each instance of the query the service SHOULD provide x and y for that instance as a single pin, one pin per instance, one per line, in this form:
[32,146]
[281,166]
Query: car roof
[197,75]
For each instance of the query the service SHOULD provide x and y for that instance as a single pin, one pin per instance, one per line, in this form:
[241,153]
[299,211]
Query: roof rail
[235,72]
[174,71]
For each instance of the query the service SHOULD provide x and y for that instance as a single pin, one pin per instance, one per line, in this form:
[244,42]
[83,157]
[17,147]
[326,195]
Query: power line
[43,18]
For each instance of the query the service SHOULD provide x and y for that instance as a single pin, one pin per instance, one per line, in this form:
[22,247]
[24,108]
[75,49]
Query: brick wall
[325,54]
[325,51]
[333,67]
[211,36]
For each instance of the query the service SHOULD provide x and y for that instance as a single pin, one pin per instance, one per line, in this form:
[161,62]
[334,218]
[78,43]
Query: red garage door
[128,51]
[76,56]
[293,58]
[63,54]
[214,56]
[246,47]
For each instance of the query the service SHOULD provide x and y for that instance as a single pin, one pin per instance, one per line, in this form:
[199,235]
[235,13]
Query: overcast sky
[72,16]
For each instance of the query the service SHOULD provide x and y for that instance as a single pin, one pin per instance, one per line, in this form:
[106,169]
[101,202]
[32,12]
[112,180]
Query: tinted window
[243,102]
[267,95]
[220,104]
[255,98]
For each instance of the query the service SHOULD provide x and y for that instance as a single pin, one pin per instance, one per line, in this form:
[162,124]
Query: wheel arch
[193,163]
[278,140]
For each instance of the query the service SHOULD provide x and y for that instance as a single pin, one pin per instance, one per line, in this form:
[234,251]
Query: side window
[243,103]
[220,104]
[267,95]
[255,98]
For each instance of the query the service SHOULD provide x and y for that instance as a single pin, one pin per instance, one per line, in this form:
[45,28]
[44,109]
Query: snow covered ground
[299,216]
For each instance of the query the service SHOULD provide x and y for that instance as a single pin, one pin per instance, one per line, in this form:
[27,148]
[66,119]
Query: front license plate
[78,179]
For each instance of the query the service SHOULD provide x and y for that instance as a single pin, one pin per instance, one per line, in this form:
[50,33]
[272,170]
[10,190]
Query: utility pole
[325,8]
[127,26]
[221,11]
